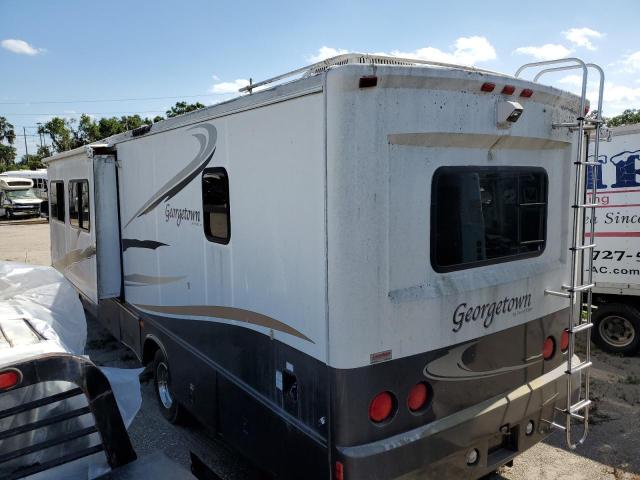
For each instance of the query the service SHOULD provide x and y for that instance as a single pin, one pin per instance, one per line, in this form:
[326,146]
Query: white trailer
[617,255]
[357,274]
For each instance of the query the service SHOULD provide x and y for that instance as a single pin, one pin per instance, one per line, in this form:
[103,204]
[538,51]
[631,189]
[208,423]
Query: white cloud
[20,47]
[582,37]
[465,51]
[229,87]
[632,62]
[617,98]
[548,51]
[326,52]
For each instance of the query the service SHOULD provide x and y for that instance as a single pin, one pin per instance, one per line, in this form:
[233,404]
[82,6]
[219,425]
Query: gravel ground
[612,451]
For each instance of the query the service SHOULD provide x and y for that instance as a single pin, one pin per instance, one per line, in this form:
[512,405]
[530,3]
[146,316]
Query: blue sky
[199,50]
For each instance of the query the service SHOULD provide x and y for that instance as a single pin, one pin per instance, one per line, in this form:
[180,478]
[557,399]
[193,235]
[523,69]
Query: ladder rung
[566,125]
[557,294]
[581,405]
[581,328]
[579,368]
[586,205]
[578,288]
[584,247]
[557,425]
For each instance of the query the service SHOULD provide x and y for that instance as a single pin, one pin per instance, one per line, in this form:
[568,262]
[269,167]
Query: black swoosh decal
[188,173]
[135,243]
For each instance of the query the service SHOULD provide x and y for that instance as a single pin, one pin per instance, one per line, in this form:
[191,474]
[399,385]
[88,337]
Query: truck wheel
[167,402]
[617,328]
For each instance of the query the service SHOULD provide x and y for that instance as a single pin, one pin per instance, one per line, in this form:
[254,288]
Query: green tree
[628,117]
[183,107]
[31,162]
[158,118]
[7,150]
[62,134]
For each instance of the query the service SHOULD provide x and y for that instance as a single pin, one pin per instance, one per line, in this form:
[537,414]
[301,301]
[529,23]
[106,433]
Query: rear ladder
[585,199]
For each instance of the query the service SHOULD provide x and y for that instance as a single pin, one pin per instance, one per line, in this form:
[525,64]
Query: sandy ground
[612,450]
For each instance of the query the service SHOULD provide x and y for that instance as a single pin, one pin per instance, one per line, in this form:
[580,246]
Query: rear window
[485,215]
[56,201]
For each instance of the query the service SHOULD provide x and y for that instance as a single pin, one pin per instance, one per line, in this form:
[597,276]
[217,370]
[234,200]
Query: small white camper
[17,197]
[616,260]
[372,271]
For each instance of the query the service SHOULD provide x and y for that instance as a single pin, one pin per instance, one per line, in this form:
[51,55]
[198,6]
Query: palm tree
[7,152]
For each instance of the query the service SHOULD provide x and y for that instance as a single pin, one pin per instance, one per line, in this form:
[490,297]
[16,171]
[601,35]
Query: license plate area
[503,445]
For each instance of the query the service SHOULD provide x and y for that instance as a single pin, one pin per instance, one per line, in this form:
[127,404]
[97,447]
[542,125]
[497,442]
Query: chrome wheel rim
[162,379]
[617,331]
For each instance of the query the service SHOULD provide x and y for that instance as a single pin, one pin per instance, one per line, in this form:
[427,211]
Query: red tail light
[339,471]
[418,397]
[381,407]
[548,348]
[564,341]
[526,92]
[9,379]
[508,89]
[488,87]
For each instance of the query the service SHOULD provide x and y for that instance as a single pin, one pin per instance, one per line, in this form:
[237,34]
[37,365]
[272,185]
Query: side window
[215,205]
[79,204]
[56,201]
[486,215]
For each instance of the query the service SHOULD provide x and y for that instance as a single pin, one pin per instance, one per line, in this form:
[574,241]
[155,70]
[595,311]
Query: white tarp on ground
[42,297]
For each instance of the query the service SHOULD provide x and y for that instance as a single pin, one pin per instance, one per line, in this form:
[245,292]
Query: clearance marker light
[488,87]
[526,93]
[508,89]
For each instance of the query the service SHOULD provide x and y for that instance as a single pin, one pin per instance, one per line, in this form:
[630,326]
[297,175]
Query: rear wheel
[617,328]
[167,402]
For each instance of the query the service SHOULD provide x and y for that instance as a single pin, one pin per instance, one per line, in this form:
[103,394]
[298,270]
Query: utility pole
[24,131]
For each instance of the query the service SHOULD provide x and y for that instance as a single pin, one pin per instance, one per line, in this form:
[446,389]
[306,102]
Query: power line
[45,102]
[63,114]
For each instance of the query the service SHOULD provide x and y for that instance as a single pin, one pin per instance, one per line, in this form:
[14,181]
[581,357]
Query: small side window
[56,201]
[79,205]
[215,205]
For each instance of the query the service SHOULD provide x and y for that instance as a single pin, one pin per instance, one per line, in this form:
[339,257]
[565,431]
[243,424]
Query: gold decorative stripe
[74,256]
[228,313]
[140,280]
[474,140]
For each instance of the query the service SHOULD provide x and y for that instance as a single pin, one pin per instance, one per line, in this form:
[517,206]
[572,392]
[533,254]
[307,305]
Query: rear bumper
[438,450]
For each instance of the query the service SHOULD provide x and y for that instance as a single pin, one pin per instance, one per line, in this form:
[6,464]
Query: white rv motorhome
[40,187]
[617,255]
[370,271]
[17,197]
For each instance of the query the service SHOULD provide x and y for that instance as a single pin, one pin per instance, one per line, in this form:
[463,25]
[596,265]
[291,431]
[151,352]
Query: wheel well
[149,350]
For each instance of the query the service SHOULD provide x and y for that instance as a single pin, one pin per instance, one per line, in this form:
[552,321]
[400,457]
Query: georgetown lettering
[489,311]
[180,214]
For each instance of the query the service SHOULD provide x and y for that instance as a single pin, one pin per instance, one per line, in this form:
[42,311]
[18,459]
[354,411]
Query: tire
[169,406]
[616,328]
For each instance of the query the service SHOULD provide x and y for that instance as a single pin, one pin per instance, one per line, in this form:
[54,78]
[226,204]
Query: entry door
[107,227]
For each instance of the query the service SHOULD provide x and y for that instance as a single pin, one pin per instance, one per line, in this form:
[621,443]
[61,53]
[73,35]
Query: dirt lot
[612,450]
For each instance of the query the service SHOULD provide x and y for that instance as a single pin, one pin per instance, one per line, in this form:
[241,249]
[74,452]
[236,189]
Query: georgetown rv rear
[17,197]
[367,272]
[617,256]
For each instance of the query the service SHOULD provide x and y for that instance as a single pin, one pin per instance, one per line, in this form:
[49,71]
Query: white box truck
[616,258]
